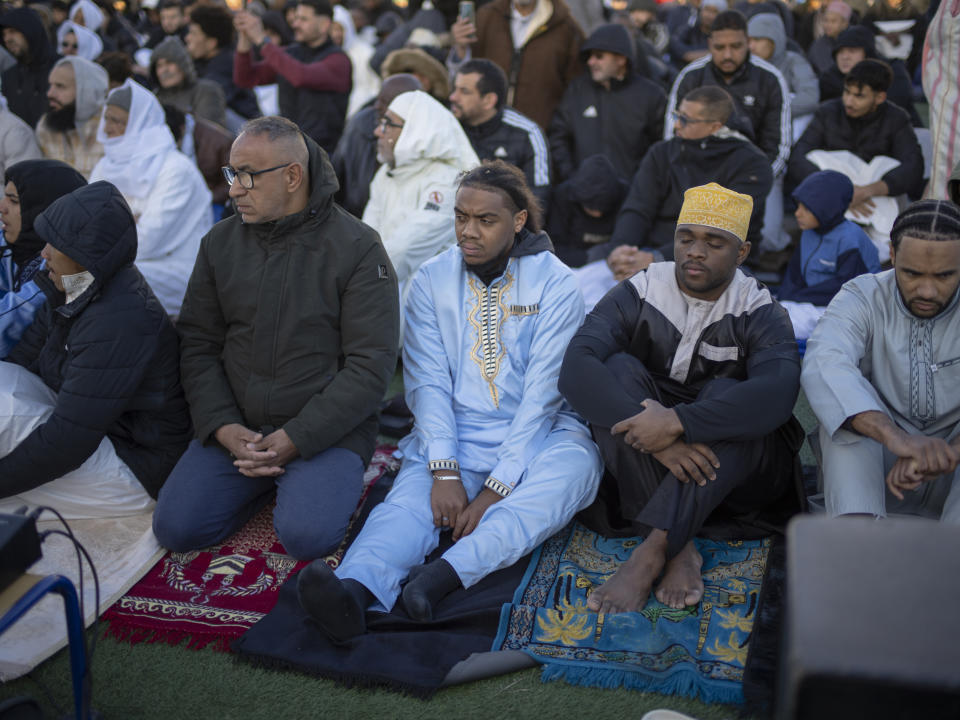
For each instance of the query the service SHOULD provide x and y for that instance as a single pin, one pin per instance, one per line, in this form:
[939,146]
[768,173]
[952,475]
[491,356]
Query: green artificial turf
[170,683]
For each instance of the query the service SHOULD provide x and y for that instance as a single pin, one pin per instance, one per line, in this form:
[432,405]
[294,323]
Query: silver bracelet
[446,477]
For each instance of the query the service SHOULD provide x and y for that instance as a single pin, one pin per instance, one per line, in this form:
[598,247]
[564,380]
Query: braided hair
[927,220]
[509,181]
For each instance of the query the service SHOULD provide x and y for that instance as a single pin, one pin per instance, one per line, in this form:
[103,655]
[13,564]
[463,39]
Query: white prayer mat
[122,549]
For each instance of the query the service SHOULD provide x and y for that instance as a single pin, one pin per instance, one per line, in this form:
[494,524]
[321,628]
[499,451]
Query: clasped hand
[448,502]
[256,455]
[652,430]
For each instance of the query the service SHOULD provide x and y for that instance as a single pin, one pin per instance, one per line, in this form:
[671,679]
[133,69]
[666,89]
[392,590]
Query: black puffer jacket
[648,217]
[621,123]
[885,131]
[111,355]
[25,84]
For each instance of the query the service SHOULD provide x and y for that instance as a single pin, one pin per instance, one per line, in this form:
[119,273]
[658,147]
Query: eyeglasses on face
[245,177]
[386,122]
[684,120]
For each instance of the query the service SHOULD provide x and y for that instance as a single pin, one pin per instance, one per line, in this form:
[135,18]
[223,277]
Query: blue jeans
[206,499]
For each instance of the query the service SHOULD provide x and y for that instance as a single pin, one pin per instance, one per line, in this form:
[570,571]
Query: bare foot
[629,587]
[682,585]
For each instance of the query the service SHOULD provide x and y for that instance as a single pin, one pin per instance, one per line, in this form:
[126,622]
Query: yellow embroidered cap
[715,206]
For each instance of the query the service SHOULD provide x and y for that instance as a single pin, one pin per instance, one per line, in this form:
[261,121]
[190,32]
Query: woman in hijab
[30,187]
[165,190]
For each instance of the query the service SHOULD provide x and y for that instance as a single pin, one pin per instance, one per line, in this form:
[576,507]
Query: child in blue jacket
[832,249]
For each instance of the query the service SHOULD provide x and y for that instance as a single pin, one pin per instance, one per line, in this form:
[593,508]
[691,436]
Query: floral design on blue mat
[698,651]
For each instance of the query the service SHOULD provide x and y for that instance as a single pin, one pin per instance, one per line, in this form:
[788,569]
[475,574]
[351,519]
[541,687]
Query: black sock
[338,607]
[427,586]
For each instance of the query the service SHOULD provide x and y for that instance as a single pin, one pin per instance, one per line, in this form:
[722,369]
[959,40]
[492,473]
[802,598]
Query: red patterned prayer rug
[216,594]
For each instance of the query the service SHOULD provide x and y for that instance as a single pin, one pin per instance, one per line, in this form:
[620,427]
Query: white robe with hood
[411,204]
[166,192]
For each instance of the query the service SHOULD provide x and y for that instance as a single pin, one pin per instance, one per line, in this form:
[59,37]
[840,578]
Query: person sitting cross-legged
[496,456]
[688,373]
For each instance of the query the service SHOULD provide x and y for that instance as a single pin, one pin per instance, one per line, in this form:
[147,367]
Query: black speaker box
[872,621]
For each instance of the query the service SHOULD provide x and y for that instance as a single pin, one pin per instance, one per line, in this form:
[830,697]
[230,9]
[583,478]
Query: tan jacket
[78,147]
[539,71]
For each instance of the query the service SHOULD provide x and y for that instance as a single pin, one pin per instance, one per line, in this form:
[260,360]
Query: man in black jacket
[209,41]
[289,330]
[609,110]
[864,123]
[497,132]
[106,354]
[758,89]
[687,373]
[703,150]
[25,84]
[314,75]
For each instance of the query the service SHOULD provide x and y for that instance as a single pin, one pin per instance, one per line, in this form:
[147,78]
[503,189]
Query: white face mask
[74,285]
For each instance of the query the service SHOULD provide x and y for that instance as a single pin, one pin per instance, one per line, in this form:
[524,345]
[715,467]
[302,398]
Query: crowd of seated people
[589,240]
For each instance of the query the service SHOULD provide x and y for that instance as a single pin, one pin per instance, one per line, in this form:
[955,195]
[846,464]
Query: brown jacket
[212,144]
[539,72]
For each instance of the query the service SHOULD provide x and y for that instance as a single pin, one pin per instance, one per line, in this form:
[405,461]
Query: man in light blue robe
[495,454]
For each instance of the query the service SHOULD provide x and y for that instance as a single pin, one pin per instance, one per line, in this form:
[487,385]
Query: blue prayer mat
[699,651]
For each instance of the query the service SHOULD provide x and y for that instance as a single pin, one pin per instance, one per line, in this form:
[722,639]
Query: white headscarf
[92,15]
[89,44]
[133,161]
[342,16]
[431,132]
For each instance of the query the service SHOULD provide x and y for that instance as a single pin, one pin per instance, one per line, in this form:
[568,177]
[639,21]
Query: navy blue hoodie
[832,253]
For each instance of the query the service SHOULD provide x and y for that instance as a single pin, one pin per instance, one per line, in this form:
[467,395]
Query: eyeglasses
[679,117]
[386,122]
[246,176]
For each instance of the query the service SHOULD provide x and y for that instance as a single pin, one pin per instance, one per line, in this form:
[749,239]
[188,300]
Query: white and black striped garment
[684,343]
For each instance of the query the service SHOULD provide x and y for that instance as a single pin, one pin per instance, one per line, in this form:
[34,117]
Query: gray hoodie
[92,82]
[200,97]
[803,83]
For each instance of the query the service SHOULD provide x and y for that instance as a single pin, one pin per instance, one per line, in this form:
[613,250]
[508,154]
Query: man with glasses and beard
[68,130]
[289,335]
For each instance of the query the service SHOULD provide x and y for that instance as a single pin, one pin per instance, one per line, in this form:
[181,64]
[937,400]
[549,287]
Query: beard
[63,119]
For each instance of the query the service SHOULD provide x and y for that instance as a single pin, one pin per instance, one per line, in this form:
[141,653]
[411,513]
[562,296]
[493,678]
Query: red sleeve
[249,74]
[331,74]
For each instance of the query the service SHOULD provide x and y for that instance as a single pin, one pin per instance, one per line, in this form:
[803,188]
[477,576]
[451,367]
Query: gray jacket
[803,83]
[869,352]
